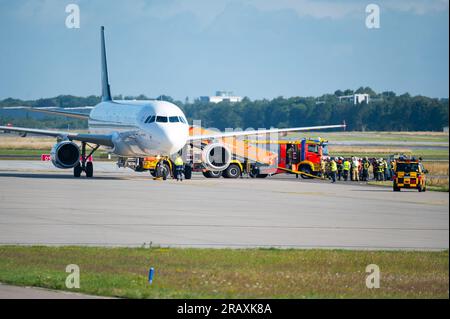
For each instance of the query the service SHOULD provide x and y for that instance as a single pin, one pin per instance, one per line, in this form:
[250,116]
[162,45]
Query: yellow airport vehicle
[409,173]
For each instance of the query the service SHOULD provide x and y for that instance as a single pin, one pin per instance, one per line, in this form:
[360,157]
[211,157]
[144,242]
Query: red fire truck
[302,157]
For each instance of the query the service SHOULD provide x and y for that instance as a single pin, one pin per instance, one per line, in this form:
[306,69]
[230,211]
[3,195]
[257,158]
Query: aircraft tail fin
[106,92]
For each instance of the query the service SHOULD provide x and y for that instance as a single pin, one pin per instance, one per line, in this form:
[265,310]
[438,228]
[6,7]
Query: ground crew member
[386,170]
[346,169]
[179,168]
[333,170]
[294,155]
[328,168]
[375,168]
[380,170]
[340,167]
[355,172]
[323,167]
[290,153]
[360,168]
[365,169]
[392,169]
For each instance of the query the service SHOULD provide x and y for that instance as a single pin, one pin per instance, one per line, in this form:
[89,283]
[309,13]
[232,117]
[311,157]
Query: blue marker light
[151,273]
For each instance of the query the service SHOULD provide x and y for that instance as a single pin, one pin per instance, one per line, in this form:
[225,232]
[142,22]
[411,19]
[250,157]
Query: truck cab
[304,155]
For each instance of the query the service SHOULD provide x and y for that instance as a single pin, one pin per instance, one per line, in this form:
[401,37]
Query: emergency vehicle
[409,173]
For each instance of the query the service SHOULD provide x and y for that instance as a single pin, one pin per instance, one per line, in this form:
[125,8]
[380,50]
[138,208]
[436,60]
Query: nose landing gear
[162,169]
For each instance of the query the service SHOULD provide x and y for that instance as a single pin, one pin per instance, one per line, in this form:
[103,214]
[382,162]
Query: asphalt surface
[40,204]
[14,292]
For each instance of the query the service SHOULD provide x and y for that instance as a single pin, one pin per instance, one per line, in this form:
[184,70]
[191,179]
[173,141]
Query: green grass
[426,154]
[228,273]
[377,136]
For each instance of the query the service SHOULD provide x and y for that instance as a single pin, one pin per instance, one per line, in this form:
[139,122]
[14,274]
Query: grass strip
[229,273]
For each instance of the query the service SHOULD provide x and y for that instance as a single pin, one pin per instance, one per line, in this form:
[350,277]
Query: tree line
[386,111]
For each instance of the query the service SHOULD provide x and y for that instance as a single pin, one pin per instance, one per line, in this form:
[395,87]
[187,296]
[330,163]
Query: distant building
[356,98]
[221,96]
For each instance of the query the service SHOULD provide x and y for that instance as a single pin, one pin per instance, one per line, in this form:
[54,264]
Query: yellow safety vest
[333,166]
[178,161]
[346,166]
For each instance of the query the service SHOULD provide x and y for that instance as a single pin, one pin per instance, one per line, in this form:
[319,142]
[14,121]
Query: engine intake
[65,154]
[216,157]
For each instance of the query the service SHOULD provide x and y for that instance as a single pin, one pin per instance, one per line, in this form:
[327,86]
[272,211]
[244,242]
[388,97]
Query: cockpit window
[182,120]
[162,119]
[150,119]
[174,119]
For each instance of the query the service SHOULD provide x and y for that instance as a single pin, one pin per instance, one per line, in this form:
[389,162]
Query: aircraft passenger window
[162,119]
[173,119]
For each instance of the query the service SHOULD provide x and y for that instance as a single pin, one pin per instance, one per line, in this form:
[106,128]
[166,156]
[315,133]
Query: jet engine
[216,157]
[65,154]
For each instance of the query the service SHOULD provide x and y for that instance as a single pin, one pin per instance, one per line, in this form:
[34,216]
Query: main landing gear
[84,165]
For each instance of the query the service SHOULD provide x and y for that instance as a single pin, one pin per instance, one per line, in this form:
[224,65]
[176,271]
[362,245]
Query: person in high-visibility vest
[392,169]
[333,169]
[346,169]
[365,171]
[179,168]
[386,170]
[323,167]
[340,167]
[380,169]
[355,171]
[290,153]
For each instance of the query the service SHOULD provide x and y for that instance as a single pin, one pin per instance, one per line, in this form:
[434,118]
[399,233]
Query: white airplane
[130,129]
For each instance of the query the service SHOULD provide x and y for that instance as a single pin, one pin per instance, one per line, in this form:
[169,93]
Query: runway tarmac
[40,204]
[14,292]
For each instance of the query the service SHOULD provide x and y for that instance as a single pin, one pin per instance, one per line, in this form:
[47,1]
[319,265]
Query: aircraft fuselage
[135,133]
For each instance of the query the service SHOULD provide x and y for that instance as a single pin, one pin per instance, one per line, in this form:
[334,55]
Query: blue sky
[256,48]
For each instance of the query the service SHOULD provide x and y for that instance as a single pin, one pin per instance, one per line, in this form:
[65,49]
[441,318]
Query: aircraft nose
[173,139]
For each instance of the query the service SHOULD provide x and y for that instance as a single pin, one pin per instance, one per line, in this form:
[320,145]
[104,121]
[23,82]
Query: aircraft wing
[54,111]
[104,140]
[258,132]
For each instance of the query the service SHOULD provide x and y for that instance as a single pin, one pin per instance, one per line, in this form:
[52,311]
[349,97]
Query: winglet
[344,125]
[106,92]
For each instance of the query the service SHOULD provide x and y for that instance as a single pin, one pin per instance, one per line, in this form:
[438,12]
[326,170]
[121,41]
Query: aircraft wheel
[163,170]
[89,169]
[77,170]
